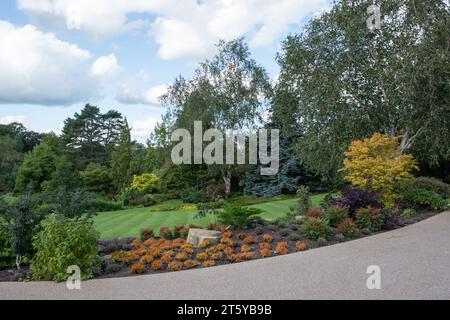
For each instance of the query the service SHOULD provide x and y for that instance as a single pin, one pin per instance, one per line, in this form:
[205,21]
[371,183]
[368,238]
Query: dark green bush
[431,184]
[6,253]
[102,205]
[424,199]
[336,214]
[62,243]
[369,218]
[315,228]
[145,200]
[238,216]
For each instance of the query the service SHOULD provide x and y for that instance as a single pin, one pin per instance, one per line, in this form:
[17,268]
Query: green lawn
[127,223]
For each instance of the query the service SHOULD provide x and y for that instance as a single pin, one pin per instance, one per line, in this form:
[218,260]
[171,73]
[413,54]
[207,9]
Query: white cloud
[141,129]
[129,95]
[183,28]
[11,119]
[38,68]
[105,67]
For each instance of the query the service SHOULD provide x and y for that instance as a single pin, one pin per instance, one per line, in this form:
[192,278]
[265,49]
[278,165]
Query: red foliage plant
[157,265]
[137,268]
[267,238]
[249,240]
[314,213]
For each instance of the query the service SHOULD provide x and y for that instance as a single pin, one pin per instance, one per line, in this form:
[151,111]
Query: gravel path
[414,263]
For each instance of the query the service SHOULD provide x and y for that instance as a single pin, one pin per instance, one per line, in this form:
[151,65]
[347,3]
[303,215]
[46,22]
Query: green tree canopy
[348,82]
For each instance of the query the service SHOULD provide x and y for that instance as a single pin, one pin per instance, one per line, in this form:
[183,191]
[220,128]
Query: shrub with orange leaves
[282,248]
[228,251]
[267,238]
[377,164]
[314,213]
[157,265]
[209,263]
[118,256]
[178,243]
[175,266]
[204,244]
[211,250]
[301,246]
[216,256]
[265,253]
[137,268]
[220,247]
[189,264]
[246,248]
[202,256]
[167,257]
[249,240]
[227,234]
[182,256]
[147,259]
[136,244]
[247,255]
[165,233]
[150,242]
[129,257]
[228,242]
[265,246]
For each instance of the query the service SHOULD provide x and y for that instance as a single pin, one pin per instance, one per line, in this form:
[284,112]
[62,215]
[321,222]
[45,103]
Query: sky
[58,55]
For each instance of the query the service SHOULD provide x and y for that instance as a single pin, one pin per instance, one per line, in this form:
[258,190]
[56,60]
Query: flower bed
[261,240]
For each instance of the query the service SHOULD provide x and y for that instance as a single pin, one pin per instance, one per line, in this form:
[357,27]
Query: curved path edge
[414,263]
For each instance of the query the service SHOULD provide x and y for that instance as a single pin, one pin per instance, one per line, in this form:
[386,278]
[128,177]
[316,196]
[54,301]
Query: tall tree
[122,163]
[227,93]
[90,136]
[10,159]
[349,82]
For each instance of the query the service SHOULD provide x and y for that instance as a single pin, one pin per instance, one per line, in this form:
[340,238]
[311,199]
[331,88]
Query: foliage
[62,243]
[290,174]
[103,205]
[344,82]
[20,224]
[39,165]
[300,246]
[369,218]
[348,228]
[314,213]
[72,204]
[123,163]
[376,164]
[193,195]
[408,213]
[146,233]
[431,184]
[355,198]
[336,214]
[64,177]
[97,178]
[315,228]
[227,92]
[10,158]
[90,136]
[145,183]
[238,216]
[6,253]
[303,202]
[422,198]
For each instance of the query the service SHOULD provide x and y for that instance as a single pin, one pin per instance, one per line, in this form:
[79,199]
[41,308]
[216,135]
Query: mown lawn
[127,223]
